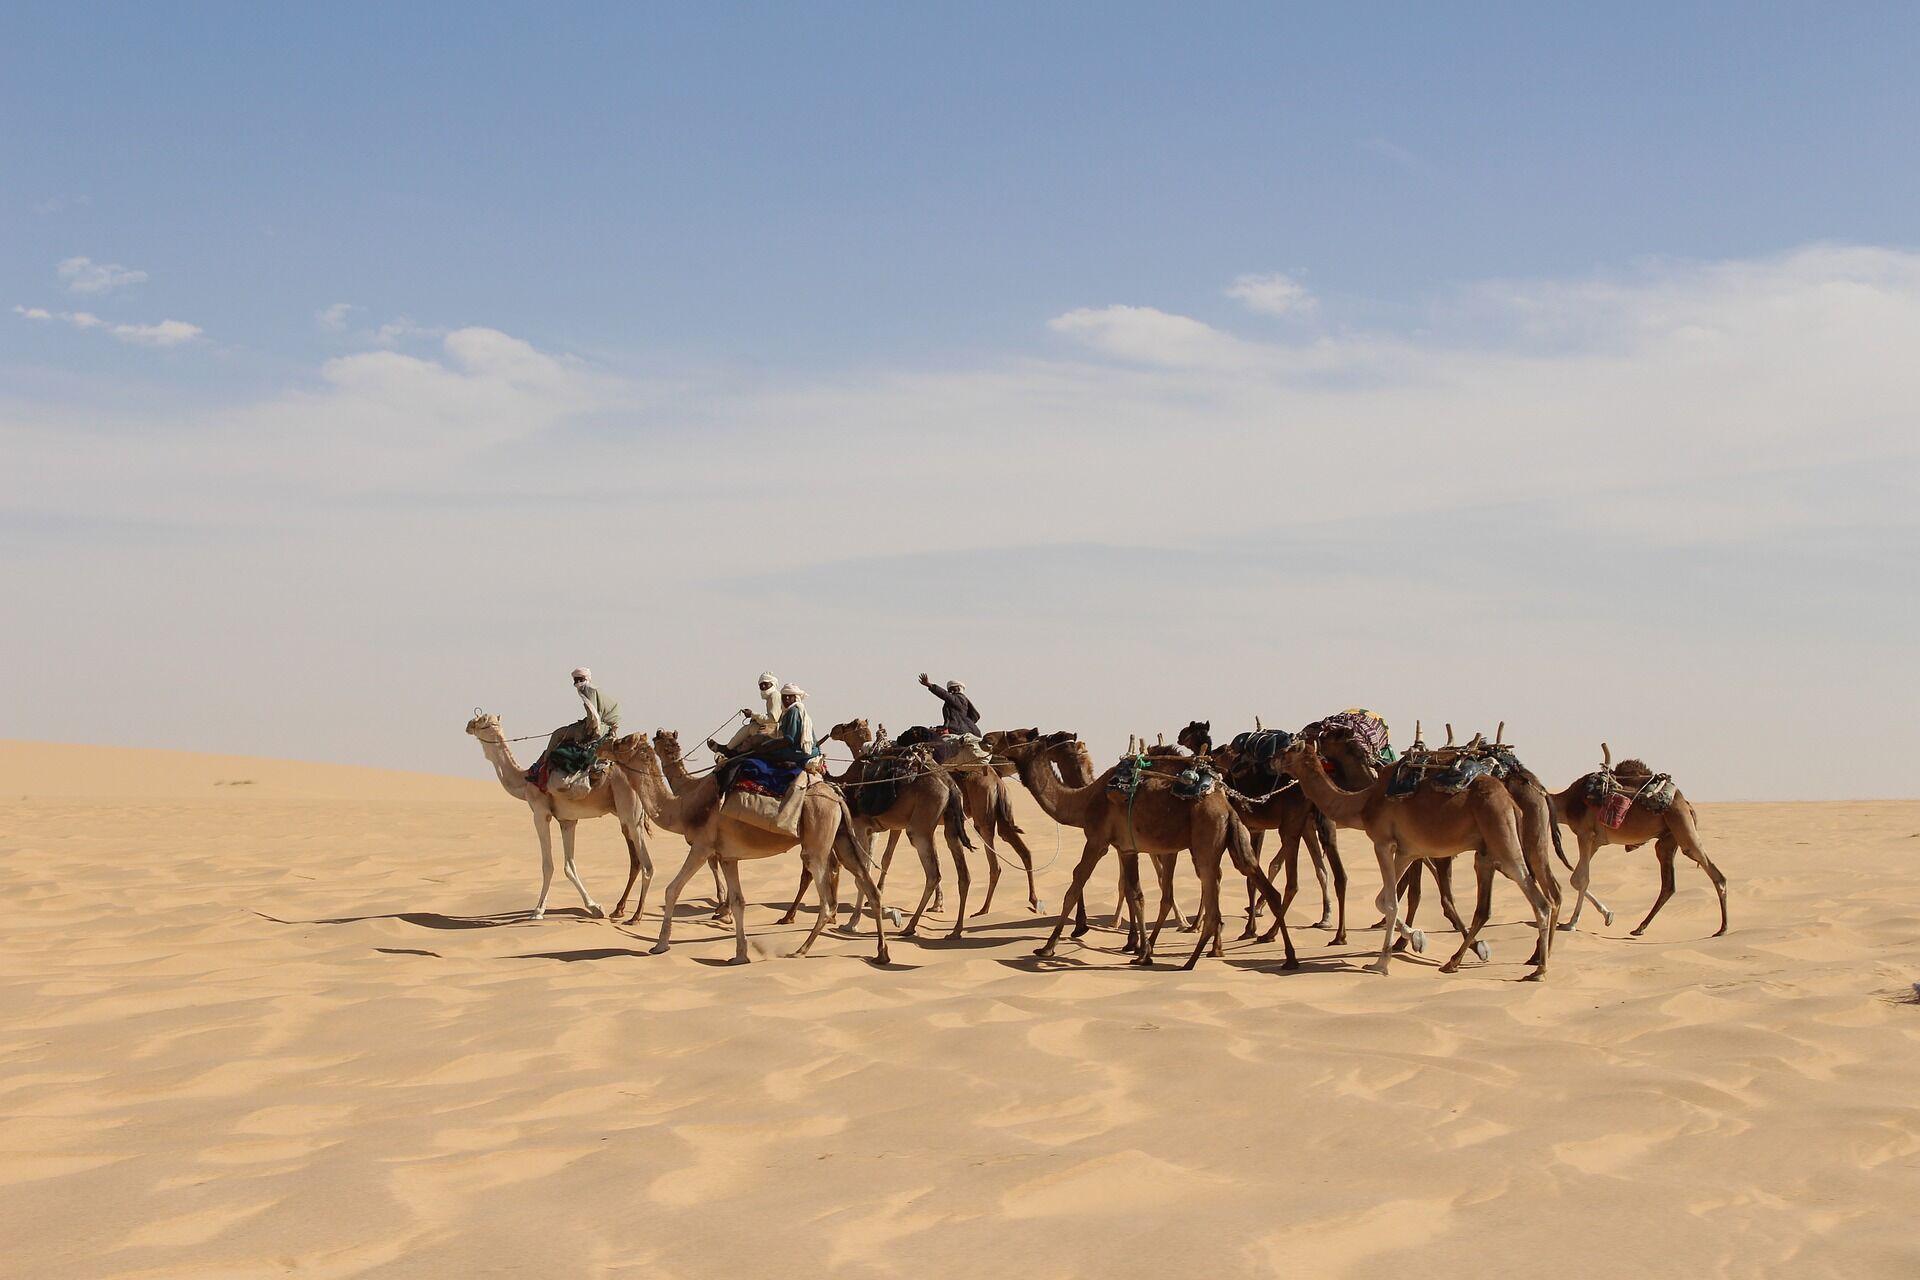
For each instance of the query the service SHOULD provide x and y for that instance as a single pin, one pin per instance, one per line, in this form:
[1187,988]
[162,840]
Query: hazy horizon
[1132,366]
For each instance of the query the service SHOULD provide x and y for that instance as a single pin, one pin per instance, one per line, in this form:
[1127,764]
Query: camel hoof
[1079,931]
[1038,906]
[1606,915]
[1482,950]
[954,936]
[595,912]
[1535,976]
[1293,962]
[633,920]
[742,959]
[893,916]
[1044,953]
[1325,922]
[1379,967]
[882,958]
[1419,942]
[539,913]
[1451,966]
[1565,926]
[659,949]
[1637,932]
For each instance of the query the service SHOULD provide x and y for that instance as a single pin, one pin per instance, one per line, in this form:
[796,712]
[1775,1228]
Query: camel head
[1040,745]
[997,741]
[485,727]
[1197,737]
[631,749]
[853,733]
[667,743]
[1302,753]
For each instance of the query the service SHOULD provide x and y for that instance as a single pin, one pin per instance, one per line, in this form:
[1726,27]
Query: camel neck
[1329,798]
[512,777]
[675,771]
[662,805]
[1065,805]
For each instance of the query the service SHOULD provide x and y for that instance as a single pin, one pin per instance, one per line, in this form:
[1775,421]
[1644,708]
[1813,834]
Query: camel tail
[1003,814]
[956,817]
[1240,845]
[845,834]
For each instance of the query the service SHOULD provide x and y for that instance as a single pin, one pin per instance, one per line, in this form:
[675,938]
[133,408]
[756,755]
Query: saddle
[1450,770]
[876,779]
[1615,790]
[1254,754]
[1196,779]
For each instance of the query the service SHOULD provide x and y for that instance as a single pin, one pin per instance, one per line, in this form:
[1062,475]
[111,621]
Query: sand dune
[261,1018]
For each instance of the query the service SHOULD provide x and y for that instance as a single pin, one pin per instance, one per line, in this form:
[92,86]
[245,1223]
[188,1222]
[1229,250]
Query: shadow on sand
[434,920]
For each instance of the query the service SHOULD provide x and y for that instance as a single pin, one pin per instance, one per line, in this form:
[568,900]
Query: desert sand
[261,1018]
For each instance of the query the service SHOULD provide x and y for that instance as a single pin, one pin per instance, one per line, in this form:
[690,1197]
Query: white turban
[767,677]
[793,690]
[956,686]
[581,673]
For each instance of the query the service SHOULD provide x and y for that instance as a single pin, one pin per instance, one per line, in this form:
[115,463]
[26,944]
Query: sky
[364,365]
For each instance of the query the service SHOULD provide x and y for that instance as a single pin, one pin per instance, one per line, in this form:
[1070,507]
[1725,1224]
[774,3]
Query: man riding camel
[601,722]
[757,726]
[796,729]
[961,715]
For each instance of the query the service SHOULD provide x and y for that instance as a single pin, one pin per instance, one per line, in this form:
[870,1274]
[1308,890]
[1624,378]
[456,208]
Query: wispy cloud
[333,318]
[1146,335]
[164,333]
[1392,152]
[60,204]
[1274,294]
[84,275]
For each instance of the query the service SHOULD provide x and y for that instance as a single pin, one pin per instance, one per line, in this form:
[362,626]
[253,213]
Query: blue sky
[315,324]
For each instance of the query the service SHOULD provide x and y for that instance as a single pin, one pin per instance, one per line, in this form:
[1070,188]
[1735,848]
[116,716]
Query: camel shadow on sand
[435,920]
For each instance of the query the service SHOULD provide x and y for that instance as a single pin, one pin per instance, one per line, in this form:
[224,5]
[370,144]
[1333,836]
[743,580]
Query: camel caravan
[769,790]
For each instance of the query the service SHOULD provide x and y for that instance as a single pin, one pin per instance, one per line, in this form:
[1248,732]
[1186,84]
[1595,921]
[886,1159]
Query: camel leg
[930,871]
[1208,869]
[1388,856]
[1089,859]
[886,859]
[567,826]
[1163,868]
[544,830]
[871,892]
[1516,868]
[1136,903]
[964,874]
[1483,870]
[1443,878]
[738,900]
[696,857]
[1664,848]
[722,900]
[633,871]
[1120,895]
[1289,857]
[793,912]
[1331,847]
[1410,893]
[1319,857]
[1253,898]
[1681,824]
[828,892]
[1249,866]
[1579,878]
[1026,862]
[987,825]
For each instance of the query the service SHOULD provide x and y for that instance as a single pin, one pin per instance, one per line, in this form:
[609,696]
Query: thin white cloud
[84,275]
[334,318]
[1146,335]
[165,333]
[1274,295]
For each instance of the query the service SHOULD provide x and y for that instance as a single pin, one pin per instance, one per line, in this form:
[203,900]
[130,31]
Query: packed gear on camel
[572,761]
[1188,777]
[1366,727]
[1615,789]
[1451,769]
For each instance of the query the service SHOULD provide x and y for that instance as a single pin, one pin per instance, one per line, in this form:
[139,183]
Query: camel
[1285,810]
[929,803]
[1482,819]
[1152,821]
[825,836]
[987,807]
[1675,830]
[612,796]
